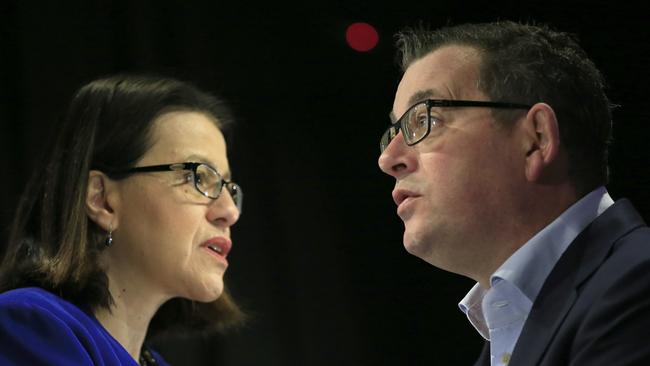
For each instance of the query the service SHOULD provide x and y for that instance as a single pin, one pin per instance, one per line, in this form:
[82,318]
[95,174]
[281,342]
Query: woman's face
[168,236]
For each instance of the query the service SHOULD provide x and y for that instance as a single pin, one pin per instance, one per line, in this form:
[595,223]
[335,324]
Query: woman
[124,230]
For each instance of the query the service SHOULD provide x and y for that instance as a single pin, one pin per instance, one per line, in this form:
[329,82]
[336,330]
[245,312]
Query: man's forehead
[450,72]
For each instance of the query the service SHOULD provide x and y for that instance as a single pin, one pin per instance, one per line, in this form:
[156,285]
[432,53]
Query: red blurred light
[361,37]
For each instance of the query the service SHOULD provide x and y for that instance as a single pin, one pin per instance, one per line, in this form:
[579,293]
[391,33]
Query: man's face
[454,189]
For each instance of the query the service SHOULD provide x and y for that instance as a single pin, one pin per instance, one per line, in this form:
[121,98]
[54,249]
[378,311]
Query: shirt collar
[529,266]
[471,306]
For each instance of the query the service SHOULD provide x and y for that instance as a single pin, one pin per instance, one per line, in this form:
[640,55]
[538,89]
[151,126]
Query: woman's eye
[422,120]
[200,177]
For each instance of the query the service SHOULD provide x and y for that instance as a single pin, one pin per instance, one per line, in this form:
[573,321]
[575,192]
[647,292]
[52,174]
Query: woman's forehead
[184,135]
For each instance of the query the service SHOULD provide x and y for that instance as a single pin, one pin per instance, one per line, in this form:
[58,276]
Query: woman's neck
[130,313]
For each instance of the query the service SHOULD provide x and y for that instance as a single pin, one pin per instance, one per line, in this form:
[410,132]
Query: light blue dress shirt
[499,313]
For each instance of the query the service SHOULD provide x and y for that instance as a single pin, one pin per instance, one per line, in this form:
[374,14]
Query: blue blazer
[594,307]
[40,328]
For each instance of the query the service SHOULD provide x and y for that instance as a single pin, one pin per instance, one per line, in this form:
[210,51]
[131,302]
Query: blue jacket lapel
[484,358]
[581,259]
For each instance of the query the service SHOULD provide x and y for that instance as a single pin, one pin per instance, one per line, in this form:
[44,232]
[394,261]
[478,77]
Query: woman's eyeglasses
[206,179]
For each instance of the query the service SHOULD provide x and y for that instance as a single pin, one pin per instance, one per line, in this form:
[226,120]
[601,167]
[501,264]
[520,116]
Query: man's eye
[420,120]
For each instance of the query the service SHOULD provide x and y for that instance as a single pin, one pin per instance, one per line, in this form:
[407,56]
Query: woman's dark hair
[53,244]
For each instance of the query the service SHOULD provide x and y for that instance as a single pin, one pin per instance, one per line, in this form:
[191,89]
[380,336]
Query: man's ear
[100,199]
[542,141]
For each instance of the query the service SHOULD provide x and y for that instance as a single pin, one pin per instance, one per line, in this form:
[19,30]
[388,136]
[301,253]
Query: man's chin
[412,245]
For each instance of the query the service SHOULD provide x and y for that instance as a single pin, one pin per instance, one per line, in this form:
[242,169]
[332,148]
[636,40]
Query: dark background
[318,261]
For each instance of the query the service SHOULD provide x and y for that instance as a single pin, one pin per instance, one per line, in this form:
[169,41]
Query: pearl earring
[109,236]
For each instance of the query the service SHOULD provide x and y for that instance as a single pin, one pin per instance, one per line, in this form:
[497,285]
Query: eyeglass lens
[414,125]
[210,183]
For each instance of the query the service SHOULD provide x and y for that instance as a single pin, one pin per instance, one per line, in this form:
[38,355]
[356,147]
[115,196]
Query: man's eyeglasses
[416,122]
[206,179]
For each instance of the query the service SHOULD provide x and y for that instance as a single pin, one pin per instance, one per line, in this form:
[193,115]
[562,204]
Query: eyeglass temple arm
[160,168]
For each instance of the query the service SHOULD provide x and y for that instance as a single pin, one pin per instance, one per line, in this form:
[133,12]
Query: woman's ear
[542,141]
[100,199]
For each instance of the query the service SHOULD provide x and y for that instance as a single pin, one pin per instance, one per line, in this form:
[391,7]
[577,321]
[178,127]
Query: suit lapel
[484,359]
[559,292]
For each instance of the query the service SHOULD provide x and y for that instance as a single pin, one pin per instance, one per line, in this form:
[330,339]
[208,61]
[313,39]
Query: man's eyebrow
[423,95]
[419,96]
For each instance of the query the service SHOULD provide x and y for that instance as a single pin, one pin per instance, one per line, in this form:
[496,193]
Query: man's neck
[531,217]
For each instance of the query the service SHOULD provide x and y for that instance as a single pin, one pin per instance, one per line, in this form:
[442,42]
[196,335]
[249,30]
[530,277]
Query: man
[499,150]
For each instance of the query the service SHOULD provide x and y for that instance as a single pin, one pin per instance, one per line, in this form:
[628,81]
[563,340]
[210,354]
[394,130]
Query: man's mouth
[401,195]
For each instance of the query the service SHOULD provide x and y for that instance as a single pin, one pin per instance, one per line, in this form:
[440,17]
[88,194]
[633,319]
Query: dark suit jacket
[594,307]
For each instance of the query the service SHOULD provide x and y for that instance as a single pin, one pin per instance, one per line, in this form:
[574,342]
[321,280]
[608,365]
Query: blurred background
[318,261]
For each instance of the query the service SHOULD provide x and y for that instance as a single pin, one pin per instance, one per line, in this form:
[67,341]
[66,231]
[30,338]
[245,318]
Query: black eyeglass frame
[233,188]
[393,129]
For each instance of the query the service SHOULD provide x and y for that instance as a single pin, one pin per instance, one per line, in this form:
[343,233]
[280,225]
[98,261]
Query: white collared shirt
[499,313]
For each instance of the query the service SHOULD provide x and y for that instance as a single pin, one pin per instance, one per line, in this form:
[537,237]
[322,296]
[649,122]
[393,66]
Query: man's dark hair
[529,64]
